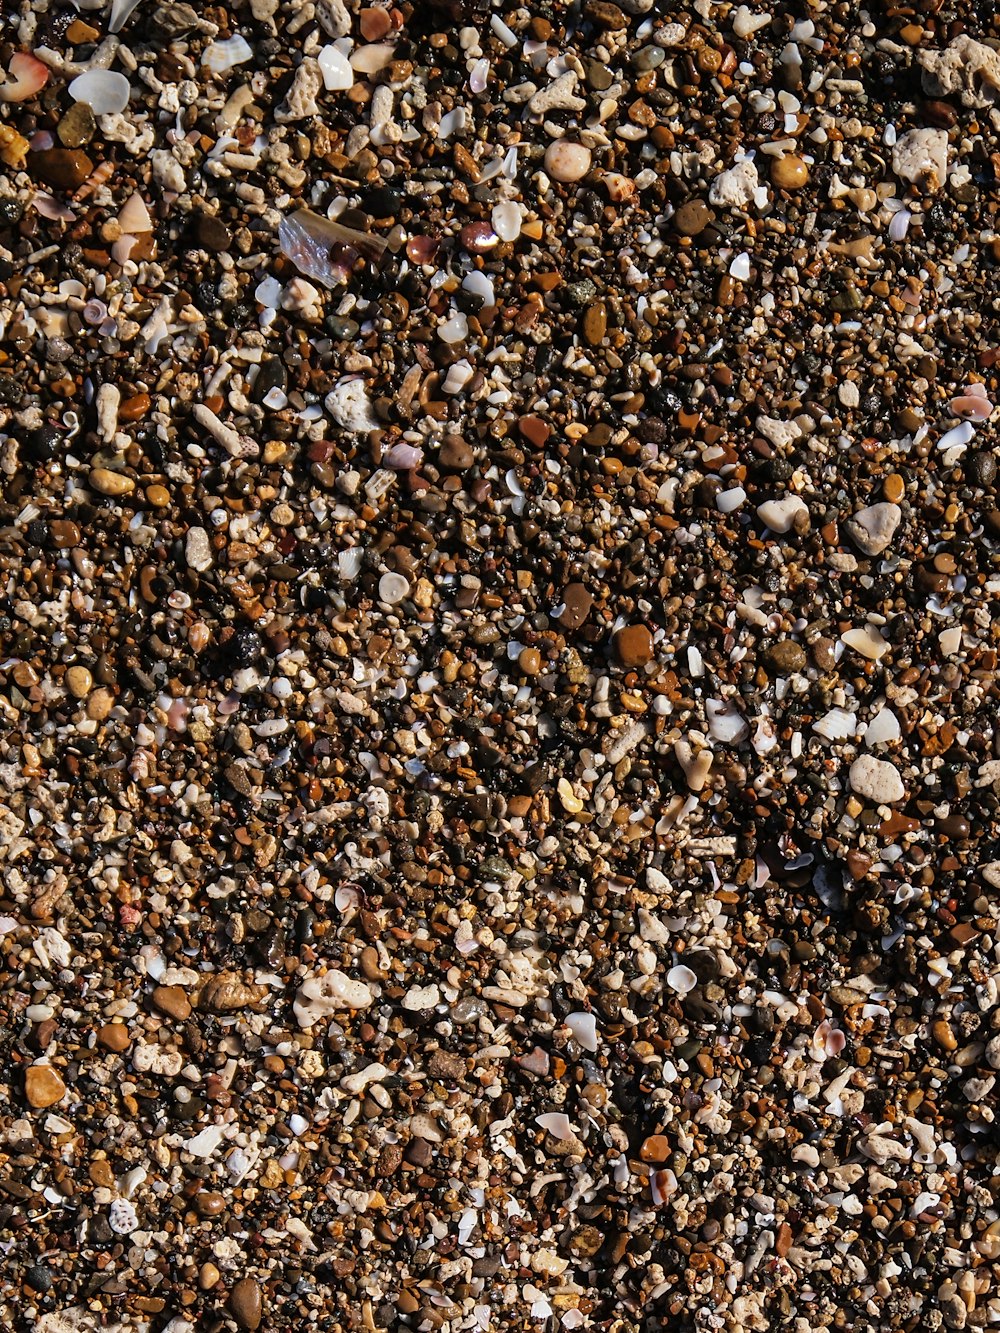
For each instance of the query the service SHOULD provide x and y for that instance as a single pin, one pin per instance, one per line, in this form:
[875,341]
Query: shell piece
[121,12]
[336,69]
[584,1029]
[316,245]
[26,75]
[319,996]
[134,217]
[105,91]
[222,56]
[681,979]
[349,405]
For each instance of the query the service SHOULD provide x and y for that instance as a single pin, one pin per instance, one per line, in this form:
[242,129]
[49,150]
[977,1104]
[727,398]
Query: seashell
[316,246]
[584,1029]
[121,12]
[134,217]
[105,91]
[681,979]
[26,75]
[222,56]
[974,405]
[336,69]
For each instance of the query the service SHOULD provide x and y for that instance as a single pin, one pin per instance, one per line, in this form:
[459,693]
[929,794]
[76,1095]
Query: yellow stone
[43,1086]
[110,483]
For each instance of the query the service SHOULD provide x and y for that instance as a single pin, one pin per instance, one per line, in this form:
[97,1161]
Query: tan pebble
[208,1276]
[789,172]
[566,161]
[245,1303]
[158,495]
[110,483]
[529,660]
[100,704]
[173,1001]
[655,1149]
[43,1086]
[943,1035]
[634,645]
[79,681]
[100,1173]
[911,33]
[893,488]
[113,1037]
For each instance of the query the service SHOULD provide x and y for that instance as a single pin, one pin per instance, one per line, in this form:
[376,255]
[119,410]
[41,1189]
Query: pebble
[172,1001]
[77,127]
[789,172]
[566,161]
[111,483]
[634,645]
[692,218]
[79,681]
[246,1304]
[62,168]
[43,1086]
[211,233]
[873,528]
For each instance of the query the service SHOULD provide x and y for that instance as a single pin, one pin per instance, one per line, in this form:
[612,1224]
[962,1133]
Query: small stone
[529,661]
[577,604]
[208,1203]
[655,1149]
[212,234]
[535,431]
[113,1037]
[692,218]
[208,1276]
[981,468]
[79,682]
[894,488]
[62,168]
[245,1303]
[876,780]
[942,1033]
[634,645]
[375,24]
[782,515]
[77,127]
[43,1086]
[786,656]
[135,408]
[455,455]
[873,528]
[789,172]
[595,323]
[172,1001]
[605,15]
[111,483]
[566,161]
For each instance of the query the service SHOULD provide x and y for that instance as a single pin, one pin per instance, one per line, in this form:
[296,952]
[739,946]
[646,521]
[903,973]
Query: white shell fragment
[222,56]
[350,407]
[320,996]
[681,979]
[921,157]
[876,780]
[105,91]
[338,75]
[584,1029]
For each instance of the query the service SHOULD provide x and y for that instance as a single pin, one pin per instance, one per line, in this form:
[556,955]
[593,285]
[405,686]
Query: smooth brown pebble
[245,1303]
[43,1086]
[789,172]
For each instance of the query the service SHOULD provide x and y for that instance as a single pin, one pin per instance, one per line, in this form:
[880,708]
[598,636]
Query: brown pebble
[595,323]
[893,488]
[208,1276]
[577,604]
[655,1149]
[455,455]
[529,661]
[634,645]
[114,1037]
[172,1001]
[209,1204]
[134,408]
[245,1303]
[943,1035]
[62,168]
[211,233]
[692,218]
[789,172]
[534,430]
[43,1086]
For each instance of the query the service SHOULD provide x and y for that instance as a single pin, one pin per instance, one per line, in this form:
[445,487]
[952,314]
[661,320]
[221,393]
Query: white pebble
[392,588]
[336,69]
[876,780]
[566,161]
